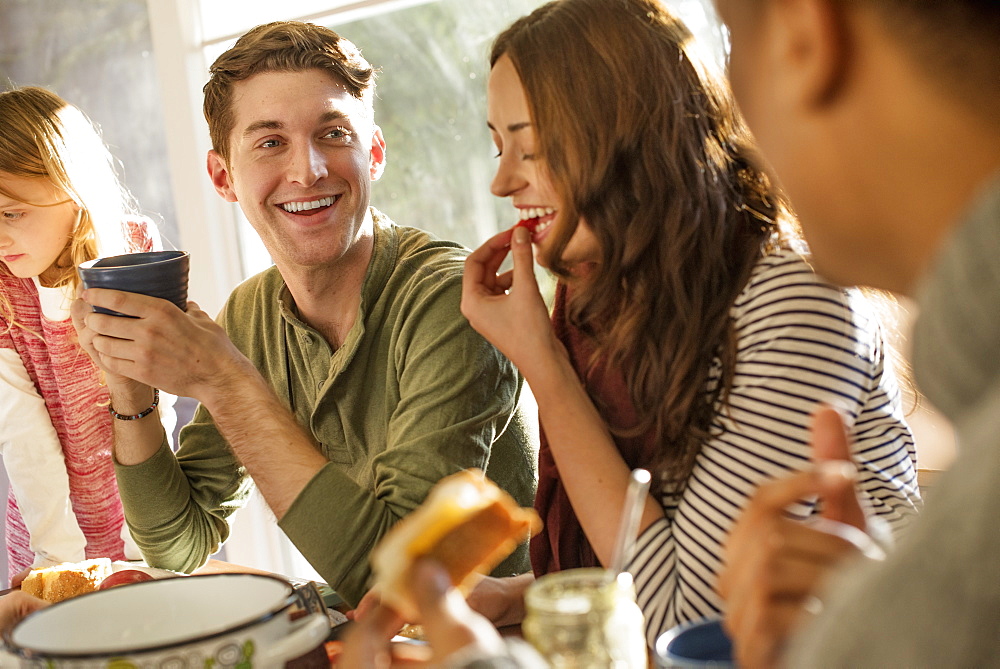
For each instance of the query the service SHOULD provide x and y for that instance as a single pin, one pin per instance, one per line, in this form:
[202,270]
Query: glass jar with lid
[585,619]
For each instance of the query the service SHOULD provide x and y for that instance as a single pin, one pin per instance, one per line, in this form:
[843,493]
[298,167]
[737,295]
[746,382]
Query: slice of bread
[69,579]
[466,523]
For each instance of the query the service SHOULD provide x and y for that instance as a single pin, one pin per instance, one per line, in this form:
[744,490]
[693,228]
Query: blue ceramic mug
[162,274]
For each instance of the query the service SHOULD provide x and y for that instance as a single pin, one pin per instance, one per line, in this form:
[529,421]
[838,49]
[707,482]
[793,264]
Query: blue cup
[162,274]
[700,643]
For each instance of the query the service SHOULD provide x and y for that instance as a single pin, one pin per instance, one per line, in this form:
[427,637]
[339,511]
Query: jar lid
[578,591]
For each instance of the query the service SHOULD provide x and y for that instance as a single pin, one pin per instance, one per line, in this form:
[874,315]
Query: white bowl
[221,619]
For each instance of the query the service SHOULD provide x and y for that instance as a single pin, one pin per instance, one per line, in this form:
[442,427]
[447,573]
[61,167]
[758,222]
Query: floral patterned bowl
[217,620]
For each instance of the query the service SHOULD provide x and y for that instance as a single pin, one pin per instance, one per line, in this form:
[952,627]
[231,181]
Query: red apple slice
[124,577]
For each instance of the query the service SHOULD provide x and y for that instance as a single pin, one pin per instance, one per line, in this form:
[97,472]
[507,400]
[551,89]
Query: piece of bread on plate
[466,523]
[69,579]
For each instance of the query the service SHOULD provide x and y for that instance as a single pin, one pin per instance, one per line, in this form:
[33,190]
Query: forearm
[335,523]
[178,515]
[654,568]
[276,452]
[591,468]
[886,457]
[337,519]
[501,600]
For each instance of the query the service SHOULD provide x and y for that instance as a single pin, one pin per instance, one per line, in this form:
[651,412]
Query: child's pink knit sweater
[76,403]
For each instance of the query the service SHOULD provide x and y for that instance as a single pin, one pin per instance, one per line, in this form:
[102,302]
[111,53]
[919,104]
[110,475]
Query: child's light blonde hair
[46,137]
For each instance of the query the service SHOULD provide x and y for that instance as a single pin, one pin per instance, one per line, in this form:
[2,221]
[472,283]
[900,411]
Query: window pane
[431,106]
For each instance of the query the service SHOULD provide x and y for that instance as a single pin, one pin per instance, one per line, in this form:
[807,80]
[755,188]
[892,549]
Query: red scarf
[562,544]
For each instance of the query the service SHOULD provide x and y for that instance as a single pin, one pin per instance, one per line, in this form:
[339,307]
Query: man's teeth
[535,212]
[306,206]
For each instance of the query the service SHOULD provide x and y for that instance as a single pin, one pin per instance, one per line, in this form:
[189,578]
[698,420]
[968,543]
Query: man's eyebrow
[513,127]
[278,125]
[333,115]
[262,125]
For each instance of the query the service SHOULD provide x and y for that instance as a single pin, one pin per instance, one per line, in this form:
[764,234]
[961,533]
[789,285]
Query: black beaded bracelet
[141,414]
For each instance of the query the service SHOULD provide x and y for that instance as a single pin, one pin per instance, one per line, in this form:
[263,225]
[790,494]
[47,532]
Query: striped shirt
[800,342]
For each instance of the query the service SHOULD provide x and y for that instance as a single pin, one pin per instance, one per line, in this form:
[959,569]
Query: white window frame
[204,220]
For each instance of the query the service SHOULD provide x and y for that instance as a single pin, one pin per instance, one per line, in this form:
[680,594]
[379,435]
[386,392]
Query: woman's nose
[508,179]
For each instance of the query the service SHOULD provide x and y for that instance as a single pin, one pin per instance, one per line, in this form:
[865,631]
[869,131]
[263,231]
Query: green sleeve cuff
[330,522]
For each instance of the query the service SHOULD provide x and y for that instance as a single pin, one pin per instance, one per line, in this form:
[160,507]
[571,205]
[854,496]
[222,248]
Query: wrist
[514,610]
[131,399]
[235,386]
[550,375]
[221,384]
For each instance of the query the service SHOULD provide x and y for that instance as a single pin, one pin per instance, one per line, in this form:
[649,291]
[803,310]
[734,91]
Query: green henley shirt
[414,394]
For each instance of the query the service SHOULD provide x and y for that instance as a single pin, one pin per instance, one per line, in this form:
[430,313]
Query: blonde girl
[61,203]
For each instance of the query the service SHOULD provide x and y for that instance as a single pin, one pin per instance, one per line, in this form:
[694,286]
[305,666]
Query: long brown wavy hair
[45,137]
[643,142]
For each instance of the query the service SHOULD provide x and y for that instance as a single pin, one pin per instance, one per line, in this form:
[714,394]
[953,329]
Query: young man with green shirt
[343,382]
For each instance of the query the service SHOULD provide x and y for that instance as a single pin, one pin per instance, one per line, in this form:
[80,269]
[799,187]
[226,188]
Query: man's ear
[377,160]
[816,47]
[218,172]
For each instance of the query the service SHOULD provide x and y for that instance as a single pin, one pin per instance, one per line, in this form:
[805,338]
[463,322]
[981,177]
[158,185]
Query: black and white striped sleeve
[800,342]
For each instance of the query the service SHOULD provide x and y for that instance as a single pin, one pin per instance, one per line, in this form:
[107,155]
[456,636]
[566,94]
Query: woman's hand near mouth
[507,308]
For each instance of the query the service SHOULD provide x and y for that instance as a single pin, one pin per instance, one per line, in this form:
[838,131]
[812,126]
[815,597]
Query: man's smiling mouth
[296,207]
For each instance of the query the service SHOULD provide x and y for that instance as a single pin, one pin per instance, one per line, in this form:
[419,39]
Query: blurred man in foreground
[882,120]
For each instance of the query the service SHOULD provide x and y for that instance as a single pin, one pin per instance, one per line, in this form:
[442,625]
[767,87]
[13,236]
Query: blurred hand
[15,581]
[368,603]
[508,309]
[448,622]
[182,353]
[16,605]
[775,566]
[367,642]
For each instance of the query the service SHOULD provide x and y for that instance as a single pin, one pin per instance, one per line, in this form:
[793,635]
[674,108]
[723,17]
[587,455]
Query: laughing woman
[689,334]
